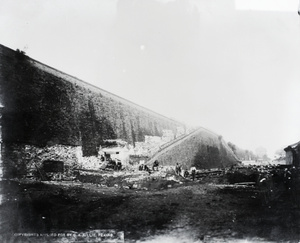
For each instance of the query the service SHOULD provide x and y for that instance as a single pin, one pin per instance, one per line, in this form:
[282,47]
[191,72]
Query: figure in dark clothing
[119,165]
[186,174]
[146,168]
[177,169]
[155,165]
[193,171]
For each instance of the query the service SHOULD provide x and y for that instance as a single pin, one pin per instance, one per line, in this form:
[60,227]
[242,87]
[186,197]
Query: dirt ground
[207,210]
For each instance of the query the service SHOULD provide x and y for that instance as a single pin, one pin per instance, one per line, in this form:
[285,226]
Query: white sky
[232,66]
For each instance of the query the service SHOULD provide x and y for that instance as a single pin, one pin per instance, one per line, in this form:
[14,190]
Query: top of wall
[5,51]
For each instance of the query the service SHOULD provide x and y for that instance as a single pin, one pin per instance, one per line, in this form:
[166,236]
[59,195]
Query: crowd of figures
[178,169]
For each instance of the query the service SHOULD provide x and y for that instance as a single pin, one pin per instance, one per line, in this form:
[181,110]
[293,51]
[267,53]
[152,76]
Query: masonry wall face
[45,107]
[22,160]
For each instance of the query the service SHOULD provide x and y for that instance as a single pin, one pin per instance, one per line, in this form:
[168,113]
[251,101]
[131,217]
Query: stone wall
[45,107]
[203,149]
[22,159]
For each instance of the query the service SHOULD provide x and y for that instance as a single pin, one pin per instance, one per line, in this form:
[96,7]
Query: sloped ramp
[201,147]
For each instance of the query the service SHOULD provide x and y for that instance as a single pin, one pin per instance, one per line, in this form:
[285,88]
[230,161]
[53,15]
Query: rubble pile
[27,160]
[162,179]
[90,163]
[270,181]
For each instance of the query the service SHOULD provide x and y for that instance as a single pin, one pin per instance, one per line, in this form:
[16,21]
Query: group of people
[117,165]
[143,167]
[185,173]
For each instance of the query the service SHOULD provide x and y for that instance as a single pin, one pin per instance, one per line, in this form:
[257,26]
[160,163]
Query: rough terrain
[153,209]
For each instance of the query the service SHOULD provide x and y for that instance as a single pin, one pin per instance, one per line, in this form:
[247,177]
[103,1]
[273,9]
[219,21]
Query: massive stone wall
[45,107]
[202,148]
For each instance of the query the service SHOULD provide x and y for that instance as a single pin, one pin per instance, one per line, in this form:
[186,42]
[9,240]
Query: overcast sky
[232,66]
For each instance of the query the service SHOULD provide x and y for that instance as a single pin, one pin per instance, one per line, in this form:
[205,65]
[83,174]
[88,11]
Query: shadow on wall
[208,157]
[93,131]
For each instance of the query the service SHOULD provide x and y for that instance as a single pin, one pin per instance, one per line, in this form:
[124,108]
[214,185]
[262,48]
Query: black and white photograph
[149,121]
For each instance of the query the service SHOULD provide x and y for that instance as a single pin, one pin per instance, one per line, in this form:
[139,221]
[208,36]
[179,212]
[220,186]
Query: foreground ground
[202,211]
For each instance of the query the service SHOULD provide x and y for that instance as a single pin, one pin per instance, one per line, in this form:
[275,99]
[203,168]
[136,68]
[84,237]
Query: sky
[232,66]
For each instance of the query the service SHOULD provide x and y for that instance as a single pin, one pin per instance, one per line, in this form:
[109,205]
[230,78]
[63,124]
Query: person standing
[155,165]
[186,173]
[193,172]
[177,169]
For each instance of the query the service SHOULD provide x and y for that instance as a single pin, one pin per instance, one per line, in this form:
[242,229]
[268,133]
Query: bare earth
[161,211]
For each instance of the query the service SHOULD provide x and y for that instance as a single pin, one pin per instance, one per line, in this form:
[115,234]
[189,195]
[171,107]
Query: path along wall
[45,107]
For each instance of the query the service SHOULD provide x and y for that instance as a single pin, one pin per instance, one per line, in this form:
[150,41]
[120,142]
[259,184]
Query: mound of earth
[202,148]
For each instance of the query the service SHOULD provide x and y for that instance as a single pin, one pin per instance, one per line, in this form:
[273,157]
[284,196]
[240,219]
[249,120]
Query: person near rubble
[141,165]
[119,165]
[193,172]
[155,165]
[186,173]
[146,168]
[177,169]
